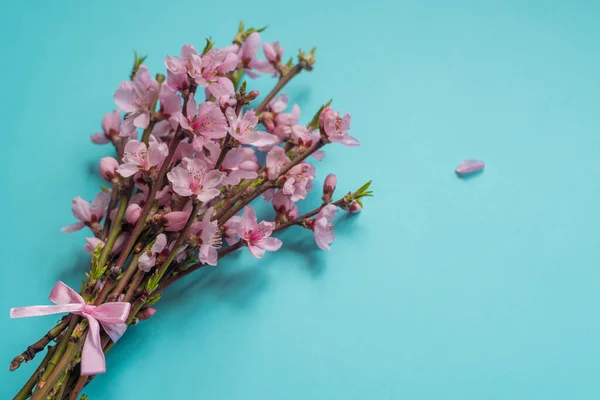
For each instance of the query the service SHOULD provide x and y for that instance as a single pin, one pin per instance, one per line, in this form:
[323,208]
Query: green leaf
[261,29]
[237,78]
[137,60]
[153,299]
[105,189]
[209,45]
[241,27]
[152,283]
[364,187]
[360,203]
[95,259]
[257,182]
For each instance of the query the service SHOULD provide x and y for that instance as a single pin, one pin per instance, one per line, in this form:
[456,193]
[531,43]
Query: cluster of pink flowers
[219,124]
[193,151]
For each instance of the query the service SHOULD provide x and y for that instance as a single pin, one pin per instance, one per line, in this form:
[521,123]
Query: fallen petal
[469,166]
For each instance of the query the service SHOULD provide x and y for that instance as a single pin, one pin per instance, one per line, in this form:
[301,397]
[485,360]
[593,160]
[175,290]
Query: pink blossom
[179,82]
[323,226]
[163,129]
[215,65]
[247,54]
[148,259]
[226,94]
[273,52]
[184,150]
[195,179]
[285,122]
[242,129]
[207,71]
[186,64]
[279,103]
[230,230]
[164,195]
[209,241]
[111,125]
[336,128]
[276,106]
[132,213]
[128,130]
[285,208]
[329,187]
[170,104]
[268,194]
[257,236]
[305,139]
[137,97]
[299,181]
[88,215]
[240,163]
[175,220]
[138,157]
[108,168]
[276,160]
[91,243]
[208,120]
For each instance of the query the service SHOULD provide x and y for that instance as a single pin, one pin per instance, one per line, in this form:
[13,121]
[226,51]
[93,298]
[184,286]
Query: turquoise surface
[442,288]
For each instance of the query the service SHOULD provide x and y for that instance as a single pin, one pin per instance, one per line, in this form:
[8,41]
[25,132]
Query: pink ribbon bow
[111,316]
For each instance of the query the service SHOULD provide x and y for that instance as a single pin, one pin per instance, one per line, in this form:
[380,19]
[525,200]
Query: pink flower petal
[469,166]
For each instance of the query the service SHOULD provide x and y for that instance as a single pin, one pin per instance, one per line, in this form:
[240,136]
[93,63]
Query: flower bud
[329,187]
[267,118]
[91,243]
[108,168]
[252,95]
[354,207]
[325,113]
[146,313]
[132,213]
[273,52]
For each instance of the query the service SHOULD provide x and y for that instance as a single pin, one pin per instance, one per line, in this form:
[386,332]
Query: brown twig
[75,343]
[296,69]
[122,283]
[174,278]
[38,346]
[137,279]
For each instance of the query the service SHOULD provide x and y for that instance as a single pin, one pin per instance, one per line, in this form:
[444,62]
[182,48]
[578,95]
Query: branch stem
[296,69]
[38,346]
[25,391]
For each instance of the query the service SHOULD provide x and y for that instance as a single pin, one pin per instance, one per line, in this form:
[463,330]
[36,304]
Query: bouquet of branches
[191,154]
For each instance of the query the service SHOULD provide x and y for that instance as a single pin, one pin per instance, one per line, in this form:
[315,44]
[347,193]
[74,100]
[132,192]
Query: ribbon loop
[111,316]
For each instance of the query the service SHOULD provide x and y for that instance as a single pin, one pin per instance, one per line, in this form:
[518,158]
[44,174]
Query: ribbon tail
[114,330]
[36,311]
[92,356]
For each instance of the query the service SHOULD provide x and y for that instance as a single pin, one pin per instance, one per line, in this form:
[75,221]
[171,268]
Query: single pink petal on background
[469,166]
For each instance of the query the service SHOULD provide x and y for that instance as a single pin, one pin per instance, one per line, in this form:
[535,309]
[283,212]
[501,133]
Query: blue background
[442,288]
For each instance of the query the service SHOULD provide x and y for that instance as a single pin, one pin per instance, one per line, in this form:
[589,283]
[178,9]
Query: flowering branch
[182,194]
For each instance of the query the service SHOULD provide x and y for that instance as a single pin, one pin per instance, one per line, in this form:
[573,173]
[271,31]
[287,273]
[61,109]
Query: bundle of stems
[176,193]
